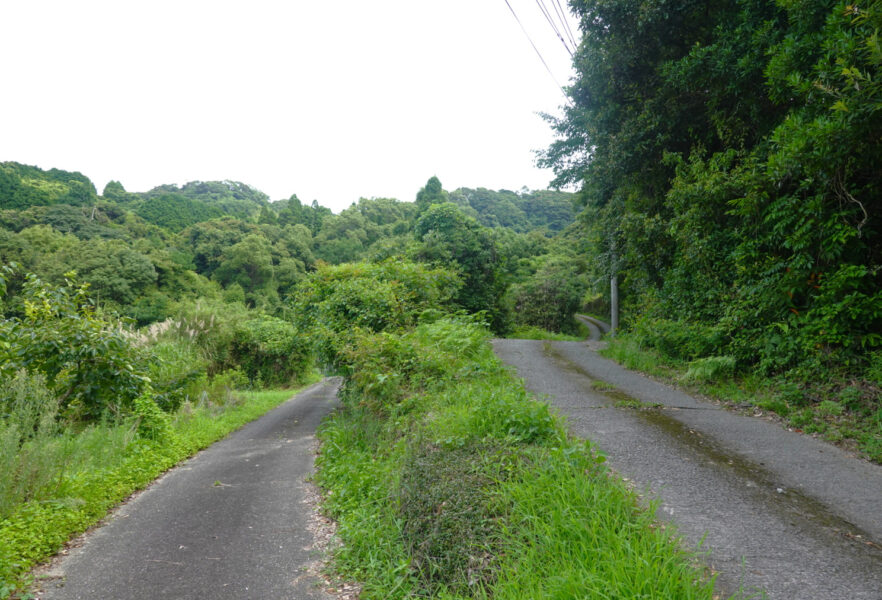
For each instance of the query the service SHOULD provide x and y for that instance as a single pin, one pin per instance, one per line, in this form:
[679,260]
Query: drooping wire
[539,54]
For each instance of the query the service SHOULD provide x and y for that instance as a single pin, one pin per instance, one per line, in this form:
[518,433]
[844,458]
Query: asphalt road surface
[596,327]
[229,523]
[775,512]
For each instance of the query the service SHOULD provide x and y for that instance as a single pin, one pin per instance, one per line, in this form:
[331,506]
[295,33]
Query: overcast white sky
[331,100]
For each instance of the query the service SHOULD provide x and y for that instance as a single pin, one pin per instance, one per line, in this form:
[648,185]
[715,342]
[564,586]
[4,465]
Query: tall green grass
[463,486]
[58,481]
[572,533]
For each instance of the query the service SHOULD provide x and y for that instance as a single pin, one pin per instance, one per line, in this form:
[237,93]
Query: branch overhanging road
[774,510]
[232,522]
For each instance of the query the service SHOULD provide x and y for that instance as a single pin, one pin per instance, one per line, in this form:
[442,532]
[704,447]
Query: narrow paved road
[775,510]
[229,523]
[596,327]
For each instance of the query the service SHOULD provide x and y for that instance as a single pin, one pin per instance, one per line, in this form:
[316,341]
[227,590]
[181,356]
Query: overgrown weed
[465,487]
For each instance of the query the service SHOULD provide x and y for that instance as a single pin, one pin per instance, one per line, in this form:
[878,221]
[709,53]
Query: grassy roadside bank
[448,481]
[841,410]
[100,466]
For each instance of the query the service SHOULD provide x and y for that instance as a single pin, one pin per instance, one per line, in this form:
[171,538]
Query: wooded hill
[142,254]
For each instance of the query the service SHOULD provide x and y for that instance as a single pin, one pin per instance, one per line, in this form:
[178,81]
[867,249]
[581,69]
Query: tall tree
[451,239]
[431,193]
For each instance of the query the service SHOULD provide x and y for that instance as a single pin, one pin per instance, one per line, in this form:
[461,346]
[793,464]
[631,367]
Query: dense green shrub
[177,372]
[550,297]
[211,338]
[271,351]
[385,296]
[89,362]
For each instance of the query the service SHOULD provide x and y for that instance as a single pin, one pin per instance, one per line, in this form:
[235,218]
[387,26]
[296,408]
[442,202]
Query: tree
[550,298]
[208,240]
[431,194]
[249,264]
[727,154]
[451,239]
[176,211]
[115,192]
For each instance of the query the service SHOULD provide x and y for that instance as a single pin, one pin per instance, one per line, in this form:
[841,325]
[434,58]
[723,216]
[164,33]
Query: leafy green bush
[271,351]
[375,297]
[152,422]
[221,388]
[551,297]
[87,360]
[382,369]
[464,337]
[177,372]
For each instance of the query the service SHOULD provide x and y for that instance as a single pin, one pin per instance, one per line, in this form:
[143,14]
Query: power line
[547,14]
[539,54]
[562,14]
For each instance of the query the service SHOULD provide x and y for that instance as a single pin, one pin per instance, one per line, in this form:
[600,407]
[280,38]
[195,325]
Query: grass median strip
[463,486]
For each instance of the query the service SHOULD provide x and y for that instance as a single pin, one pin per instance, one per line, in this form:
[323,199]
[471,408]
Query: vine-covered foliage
[336,301]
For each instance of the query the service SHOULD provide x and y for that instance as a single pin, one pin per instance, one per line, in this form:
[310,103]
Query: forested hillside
[727,156]
[145,255]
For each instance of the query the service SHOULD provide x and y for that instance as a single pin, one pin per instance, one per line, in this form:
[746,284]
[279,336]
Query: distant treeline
[145,255]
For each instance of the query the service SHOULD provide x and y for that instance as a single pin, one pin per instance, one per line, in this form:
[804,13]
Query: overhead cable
[547,14]
[539,54]
[562,14]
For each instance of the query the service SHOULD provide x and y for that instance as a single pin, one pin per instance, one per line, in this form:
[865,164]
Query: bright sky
[331,100]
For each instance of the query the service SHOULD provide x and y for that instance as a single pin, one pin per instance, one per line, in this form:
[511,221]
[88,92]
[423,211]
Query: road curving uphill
[776,511]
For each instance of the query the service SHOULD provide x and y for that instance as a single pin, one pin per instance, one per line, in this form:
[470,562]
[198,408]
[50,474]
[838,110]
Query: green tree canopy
[431,193]
[452,239]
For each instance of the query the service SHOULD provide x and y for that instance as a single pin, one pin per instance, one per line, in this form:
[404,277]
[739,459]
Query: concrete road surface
[777,512]
[229,523]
